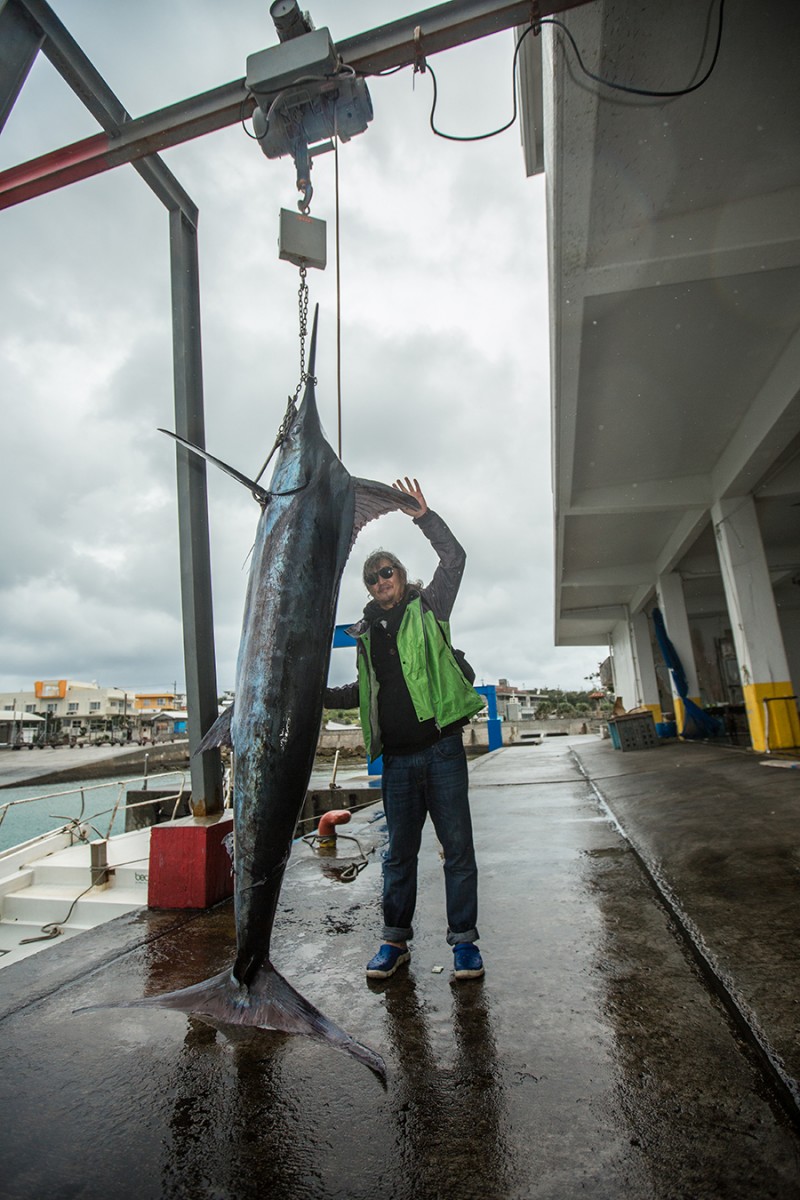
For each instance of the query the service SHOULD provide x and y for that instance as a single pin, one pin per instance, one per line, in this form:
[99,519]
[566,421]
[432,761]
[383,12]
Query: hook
[302,162]
[304,186]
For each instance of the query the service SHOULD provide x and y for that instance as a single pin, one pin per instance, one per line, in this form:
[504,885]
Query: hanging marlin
[310,516]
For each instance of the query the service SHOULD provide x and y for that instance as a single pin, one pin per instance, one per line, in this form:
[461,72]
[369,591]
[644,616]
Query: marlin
[311,515]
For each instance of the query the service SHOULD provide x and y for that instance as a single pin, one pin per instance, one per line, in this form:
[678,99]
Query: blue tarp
[696,723]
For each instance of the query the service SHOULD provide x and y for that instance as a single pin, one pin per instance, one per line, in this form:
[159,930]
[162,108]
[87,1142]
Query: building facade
[674,262]
[74,710]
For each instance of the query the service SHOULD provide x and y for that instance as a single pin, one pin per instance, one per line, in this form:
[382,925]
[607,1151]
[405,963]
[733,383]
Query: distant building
[73,708]
[19,728]
[516,704]
[166,725]
[155,701]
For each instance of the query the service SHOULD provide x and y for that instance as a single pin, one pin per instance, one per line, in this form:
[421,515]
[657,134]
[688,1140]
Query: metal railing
[79,826]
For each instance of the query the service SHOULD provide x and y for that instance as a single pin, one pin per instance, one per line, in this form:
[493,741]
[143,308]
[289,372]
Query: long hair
[371,565]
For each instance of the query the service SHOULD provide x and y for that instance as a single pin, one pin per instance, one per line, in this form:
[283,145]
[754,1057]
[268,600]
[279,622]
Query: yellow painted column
[680,709]
[772,715]
[757,636]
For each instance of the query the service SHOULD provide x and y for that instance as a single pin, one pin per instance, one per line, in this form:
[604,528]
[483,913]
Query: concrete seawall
[64,765]
[476,734]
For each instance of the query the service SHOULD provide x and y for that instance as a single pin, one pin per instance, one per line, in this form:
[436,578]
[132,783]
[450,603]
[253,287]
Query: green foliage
[342,716]
[558,703]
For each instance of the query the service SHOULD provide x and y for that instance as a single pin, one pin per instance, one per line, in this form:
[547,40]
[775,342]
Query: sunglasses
[385,573]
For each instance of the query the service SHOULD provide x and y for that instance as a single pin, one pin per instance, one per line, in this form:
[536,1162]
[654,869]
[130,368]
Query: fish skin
[310,517]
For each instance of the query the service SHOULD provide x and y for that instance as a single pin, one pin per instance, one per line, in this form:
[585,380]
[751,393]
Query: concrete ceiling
[674,229]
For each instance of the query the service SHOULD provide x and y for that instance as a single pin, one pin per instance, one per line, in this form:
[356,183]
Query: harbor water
[93,801]
[89,801]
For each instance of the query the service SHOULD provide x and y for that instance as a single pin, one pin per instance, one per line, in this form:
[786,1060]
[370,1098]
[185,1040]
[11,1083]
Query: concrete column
[623,662]
[634,671]
[645,667]
[672,603]
[763,667]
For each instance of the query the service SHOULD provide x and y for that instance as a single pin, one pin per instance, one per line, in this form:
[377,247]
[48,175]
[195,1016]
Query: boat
[80,875]
[71,878]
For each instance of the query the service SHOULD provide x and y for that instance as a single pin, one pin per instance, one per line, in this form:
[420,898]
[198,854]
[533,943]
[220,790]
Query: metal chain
[291,406]
[302,303]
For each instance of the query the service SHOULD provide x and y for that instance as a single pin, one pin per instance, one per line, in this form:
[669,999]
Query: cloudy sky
[444,351]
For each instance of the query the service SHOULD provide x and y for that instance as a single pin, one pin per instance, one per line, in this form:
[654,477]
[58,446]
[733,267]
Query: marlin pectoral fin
[375,499]
[268,1003]
[219,734]
[290,491]
[261,494]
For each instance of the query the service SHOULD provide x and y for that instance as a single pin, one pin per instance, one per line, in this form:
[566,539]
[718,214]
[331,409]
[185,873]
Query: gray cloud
[444,353]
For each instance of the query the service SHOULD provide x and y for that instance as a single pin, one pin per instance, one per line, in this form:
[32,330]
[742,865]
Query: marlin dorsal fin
[374,500]
[261,494]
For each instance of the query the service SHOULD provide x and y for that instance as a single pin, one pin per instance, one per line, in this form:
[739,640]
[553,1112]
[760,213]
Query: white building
[72,707]
[19,728]
[516,703]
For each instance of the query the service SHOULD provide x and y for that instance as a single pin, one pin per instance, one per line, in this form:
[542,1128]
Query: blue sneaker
[386,961]
[467,961]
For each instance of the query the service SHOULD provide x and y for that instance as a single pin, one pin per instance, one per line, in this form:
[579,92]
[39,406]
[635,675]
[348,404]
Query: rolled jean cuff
[455,939]
[393,933]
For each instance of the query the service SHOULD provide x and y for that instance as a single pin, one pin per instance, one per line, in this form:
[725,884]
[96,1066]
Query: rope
[338,293]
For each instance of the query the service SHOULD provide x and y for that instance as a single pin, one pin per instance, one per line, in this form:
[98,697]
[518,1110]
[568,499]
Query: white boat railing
[82,825]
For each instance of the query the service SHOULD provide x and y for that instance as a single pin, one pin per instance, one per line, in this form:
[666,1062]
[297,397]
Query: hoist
[306,96]
[307,100]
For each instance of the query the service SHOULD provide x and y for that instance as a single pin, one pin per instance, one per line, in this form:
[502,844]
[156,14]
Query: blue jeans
[435,781]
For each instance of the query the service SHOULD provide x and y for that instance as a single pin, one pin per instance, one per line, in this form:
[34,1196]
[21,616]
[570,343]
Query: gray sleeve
[442,590]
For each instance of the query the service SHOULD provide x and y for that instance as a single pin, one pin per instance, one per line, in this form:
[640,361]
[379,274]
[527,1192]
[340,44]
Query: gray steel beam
[198,622]
[442,28]
[79,72]
[30,25]
[20,42]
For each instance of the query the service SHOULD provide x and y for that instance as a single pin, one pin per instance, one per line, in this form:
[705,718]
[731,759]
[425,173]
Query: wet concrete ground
[593,1059]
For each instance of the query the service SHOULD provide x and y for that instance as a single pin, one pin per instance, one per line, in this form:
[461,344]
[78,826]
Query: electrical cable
[479,137]
[622,87]
[535,28]
[344,69]
[243,118]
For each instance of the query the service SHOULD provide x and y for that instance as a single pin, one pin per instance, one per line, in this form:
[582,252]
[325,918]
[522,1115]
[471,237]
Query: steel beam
[393,45]
[25,27]
[67,164]
[441,28]
[20,42]
[198,623]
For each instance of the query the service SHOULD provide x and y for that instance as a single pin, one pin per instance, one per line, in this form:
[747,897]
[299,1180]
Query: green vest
[434,679]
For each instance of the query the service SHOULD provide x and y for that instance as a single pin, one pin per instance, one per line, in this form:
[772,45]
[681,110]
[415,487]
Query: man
[414,700]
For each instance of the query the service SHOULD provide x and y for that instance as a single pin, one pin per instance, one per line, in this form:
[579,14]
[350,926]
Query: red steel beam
[392,45]
[136,139]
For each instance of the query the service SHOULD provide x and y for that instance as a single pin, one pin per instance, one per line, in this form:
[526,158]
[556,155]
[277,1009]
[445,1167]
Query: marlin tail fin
[269,1002]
